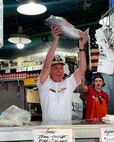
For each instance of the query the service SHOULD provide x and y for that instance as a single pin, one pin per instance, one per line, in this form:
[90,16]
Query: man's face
[98,83]
[57,72]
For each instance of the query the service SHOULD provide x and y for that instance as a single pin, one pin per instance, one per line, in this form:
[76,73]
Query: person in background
[55,91]
[91,92]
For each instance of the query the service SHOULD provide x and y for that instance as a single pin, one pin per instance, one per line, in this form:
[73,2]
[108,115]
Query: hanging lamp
[30,7]
[19,38]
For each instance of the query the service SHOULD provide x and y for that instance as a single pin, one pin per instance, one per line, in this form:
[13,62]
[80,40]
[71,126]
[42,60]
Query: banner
[93,51]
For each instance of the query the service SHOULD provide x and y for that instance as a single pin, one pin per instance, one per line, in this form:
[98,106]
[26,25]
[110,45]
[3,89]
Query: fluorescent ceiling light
[31,9]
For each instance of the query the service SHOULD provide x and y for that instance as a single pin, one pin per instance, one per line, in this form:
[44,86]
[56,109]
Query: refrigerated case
[83,132]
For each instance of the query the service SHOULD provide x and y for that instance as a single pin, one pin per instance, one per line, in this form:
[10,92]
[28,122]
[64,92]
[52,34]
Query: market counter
[81,131]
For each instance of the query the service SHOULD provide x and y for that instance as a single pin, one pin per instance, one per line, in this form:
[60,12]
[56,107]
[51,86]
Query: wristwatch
[80,50]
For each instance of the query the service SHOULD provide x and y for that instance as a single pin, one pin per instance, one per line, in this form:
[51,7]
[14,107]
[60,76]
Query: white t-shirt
[56,99]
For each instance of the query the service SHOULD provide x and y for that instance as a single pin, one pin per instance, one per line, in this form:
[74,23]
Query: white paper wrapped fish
[68,30]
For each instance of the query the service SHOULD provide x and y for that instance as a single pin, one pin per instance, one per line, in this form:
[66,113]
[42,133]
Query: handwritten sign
[107,134]
[52,135]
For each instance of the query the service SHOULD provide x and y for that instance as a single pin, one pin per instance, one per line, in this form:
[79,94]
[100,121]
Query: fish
[68,30]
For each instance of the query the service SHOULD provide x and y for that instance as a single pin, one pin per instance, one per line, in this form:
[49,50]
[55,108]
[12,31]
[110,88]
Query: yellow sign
[29,81]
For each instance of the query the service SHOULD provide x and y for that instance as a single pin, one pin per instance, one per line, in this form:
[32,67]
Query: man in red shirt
[93,92]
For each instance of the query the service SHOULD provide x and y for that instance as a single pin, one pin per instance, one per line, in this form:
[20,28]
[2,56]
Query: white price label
[29,68]
[23,69]
[53,135]
[35,67]
[40,67]
[18,70]
[107,134]
[7,71]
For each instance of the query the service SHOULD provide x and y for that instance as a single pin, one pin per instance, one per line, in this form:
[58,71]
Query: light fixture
[20,45]
[19,38]
[31,8]
[104,21]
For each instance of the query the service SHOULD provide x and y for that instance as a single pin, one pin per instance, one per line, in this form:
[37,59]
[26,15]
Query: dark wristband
[81,50]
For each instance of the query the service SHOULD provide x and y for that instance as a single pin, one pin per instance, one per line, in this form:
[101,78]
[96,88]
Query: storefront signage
[53,135]
[107,134]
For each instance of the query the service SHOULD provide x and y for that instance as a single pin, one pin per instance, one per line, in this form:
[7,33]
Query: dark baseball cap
[57,60]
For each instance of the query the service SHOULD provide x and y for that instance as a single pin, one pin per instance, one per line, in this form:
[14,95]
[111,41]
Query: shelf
[8,80]
[21,69]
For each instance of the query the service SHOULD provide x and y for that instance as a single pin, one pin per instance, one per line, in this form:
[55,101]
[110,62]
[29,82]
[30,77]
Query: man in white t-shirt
[55,91]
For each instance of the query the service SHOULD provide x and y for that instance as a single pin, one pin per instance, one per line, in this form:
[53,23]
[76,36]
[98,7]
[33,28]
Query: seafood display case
[83,131]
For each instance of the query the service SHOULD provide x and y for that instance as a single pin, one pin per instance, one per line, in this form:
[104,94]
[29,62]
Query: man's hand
[83,40]
[83,87]
[56,31]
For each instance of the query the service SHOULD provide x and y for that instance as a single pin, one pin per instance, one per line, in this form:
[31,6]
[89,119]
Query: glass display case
[83,131]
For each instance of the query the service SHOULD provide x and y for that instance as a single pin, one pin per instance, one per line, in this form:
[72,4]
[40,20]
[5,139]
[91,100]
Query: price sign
[107,134]
[40,67]
[23,69]
[7,71]
[18,70]
[29,68]
[53,135]
[35,67]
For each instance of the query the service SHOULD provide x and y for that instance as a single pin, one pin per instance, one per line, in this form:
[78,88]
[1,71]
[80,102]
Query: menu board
[53,135]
